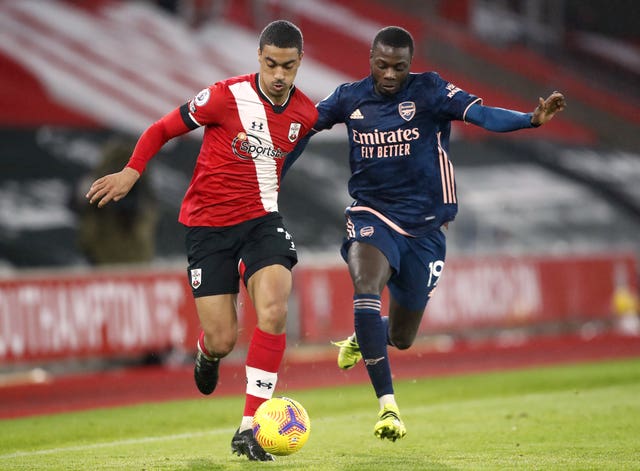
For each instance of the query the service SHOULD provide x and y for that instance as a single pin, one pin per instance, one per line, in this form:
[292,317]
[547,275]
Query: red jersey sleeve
[155,136]
[209,105]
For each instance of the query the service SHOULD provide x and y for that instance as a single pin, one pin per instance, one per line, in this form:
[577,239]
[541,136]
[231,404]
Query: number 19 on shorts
[435,270]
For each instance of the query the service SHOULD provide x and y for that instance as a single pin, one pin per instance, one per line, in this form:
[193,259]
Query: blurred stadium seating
[77,73]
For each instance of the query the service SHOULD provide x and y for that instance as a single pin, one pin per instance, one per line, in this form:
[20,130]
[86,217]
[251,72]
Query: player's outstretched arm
[504,120]
[114,186]
[548,108]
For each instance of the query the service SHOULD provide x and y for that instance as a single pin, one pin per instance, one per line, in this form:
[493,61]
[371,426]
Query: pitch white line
[132,441]
[163,438]
[138,441]
[221,431]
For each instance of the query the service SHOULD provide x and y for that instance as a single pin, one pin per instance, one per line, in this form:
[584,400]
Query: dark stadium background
[77,75]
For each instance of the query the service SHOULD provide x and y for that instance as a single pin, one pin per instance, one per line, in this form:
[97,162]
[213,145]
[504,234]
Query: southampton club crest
[294,130]
[407,110]
[196,278]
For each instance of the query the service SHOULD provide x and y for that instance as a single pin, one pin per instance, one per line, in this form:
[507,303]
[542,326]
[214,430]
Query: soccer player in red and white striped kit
[230,211]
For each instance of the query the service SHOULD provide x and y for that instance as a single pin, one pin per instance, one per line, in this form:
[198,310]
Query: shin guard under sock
[263,361]
[371,333]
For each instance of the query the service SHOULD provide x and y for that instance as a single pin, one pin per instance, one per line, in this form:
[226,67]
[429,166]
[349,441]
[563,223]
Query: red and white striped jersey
[246,140]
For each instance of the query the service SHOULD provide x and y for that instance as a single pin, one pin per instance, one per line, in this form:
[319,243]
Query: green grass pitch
[577,417]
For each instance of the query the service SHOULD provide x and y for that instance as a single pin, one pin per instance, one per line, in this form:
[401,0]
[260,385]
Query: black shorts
[219,256]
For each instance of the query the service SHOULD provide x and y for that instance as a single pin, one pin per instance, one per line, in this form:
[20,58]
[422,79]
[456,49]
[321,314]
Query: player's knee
[220,344]
[272,318]
[366,285]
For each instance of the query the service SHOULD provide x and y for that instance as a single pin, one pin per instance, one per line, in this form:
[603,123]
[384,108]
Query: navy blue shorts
[417,262]
[220,256]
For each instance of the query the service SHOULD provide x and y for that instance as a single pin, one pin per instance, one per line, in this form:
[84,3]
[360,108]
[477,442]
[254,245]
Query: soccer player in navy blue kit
[398,125]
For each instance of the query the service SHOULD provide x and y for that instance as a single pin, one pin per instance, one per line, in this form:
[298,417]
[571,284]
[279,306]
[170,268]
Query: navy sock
[371,332]
[385,322]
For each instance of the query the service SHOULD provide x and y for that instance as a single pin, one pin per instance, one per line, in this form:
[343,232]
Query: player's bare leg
[269,290]
[219,334]
[403,325]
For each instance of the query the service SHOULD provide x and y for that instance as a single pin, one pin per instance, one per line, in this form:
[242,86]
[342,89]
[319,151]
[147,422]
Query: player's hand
[547,109]
[114,186]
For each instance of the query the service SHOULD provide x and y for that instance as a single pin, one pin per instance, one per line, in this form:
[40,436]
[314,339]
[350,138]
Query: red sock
[263,361]
[202,347]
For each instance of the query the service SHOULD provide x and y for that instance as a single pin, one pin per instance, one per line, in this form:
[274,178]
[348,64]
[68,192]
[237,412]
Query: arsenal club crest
[367,231]
[196,278]
[407,110]
[294,130]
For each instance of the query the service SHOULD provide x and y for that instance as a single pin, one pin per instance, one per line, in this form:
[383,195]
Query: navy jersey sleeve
[498,119]
[330,110]
[449,101]
[295,153]
[329,113]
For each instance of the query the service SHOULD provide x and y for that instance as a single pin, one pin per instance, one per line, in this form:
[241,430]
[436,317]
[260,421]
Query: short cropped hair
[393,36]
[282,34]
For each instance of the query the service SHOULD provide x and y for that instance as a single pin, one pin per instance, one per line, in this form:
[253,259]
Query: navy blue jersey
[399,148]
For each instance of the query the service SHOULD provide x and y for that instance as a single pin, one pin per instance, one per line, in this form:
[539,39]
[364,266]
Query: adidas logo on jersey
[356,114]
